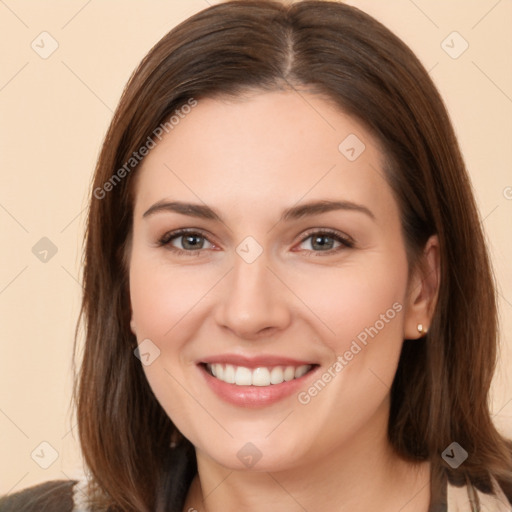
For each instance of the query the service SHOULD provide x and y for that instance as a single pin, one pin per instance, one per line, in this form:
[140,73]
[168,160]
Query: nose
[254,302]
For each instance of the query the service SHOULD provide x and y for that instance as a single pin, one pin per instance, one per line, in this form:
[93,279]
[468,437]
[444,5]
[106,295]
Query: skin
[250,159]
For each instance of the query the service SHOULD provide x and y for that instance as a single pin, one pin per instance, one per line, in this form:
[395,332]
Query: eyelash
[346,242]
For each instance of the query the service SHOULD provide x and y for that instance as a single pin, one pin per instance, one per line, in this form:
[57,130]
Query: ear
[423,291]
[132,322]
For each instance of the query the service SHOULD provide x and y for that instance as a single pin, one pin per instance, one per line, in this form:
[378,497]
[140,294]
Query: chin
[254,453]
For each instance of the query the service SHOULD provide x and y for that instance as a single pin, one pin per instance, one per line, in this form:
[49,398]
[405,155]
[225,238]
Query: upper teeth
[261,376]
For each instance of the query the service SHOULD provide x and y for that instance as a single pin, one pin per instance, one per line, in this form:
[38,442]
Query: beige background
[54,113]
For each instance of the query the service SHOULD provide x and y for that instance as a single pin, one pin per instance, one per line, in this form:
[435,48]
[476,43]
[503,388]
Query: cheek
[162,296]
[353,300]
[164,299]
[361,308]
[336,305]
[344,303]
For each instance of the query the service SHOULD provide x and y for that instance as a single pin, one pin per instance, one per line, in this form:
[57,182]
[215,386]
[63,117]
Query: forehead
[284,145]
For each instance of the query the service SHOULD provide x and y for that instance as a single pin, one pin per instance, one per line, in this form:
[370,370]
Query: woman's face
[293,262]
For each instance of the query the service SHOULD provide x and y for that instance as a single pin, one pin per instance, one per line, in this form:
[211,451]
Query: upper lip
[254,361]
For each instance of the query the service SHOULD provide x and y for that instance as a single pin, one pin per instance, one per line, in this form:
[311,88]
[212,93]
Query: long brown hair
[440,392]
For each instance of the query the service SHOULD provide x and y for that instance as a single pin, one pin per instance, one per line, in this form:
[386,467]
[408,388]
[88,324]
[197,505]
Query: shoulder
[54,496]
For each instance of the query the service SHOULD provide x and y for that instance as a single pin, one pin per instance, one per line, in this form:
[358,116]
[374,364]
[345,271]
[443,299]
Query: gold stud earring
[421,329]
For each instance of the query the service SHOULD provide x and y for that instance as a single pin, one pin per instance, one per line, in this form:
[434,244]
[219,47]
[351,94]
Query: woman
[331,343]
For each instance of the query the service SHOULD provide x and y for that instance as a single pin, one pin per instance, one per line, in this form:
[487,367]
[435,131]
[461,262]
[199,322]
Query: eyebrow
[295,212]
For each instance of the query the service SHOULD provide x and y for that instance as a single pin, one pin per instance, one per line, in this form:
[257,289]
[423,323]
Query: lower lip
[254,396]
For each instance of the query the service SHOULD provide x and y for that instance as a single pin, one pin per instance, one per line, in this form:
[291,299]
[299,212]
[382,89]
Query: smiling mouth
[261,376]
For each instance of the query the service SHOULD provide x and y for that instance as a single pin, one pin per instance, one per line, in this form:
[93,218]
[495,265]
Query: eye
[185,241]
[191,242]
[324,241]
